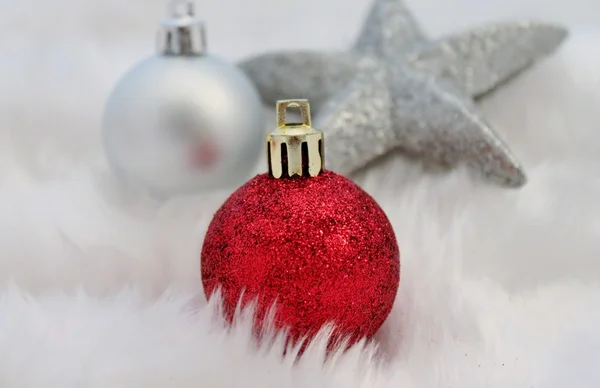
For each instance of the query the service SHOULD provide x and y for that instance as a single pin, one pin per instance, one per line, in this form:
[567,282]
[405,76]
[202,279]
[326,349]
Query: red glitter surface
[321,248]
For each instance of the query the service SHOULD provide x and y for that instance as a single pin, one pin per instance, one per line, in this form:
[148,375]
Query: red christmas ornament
[306,239]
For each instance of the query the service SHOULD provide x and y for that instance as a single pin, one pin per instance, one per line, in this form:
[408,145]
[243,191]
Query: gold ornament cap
[295,149]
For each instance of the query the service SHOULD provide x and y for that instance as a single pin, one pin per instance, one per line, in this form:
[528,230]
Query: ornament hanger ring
[180,8]
[284,105]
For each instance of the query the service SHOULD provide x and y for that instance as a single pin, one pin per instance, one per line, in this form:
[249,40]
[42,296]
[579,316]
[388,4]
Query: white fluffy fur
[101,286]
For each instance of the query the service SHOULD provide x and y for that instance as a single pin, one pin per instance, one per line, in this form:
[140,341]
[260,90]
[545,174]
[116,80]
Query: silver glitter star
[396,90]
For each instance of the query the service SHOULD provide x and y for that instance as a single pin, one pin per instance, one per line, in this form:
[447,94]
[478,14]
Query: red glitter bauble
[320,248]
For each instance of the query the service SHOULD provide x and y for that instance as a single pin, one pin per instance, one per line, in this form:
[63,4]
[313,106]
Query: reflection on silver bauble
[177,124]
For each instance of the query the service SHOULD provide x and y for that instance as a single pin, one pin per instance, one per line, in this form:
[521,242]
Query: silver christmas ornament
[183,120]
[396,90]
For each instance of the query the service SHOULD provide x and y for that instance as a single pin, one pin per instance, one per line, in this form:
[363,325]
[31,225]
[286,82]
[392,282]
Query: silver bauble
[183,121]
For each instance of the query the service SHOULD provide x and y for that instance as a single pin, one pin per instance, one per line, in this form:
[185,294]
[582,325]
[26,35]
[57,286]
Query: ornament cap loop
[181,8]
[295,149]
[282,108]
[182,34]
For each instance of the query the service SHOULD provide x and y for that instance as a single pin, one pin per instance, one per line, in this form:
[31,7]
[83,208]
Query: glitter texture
[396,90]
[320,247]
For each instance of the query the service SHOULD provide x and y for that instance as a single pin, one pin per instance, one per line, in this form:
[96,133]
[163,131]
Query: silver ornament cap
[295,149]
[182,34]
